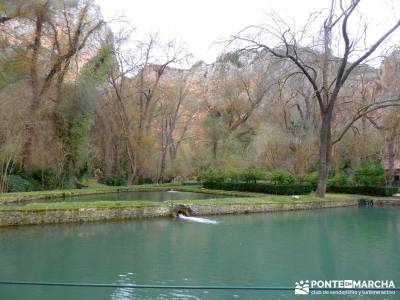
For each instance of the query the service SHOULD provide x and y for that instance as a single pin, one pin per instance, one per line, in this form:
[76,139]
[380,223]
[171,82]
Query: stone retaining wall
[8,218]
[386,202]
[222,209]
[20,217]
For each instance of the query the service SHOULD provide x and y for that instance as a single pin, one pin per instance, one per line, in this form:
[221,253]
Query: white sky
[200,23]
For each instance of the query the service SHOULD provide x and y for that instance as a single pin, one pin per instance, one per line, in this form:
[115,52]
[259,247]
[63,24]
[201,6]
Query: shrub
[282,177]
[114,180]
[340,179]
[232,174]
[364,190]
[189,183]
[252,175]
[71,182]
[149,180]
[46,179]
[39,179]
[16,183]
[369,173]
[13,167]
[311,179]
[212,175]
[292,189]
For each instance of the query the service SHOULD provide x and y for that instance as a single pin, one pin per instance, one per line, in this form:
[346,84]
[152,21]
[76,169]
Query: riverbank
[63,212]
[234,203]
[93,189]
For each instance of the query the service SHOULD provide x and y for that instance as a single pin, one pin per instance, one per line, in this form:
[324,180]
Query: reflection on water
[275,249]
[124,293]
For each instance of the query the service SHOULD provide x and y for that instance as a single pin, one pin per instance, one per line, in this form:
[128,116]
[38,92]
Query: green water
[126,196]
[273,249]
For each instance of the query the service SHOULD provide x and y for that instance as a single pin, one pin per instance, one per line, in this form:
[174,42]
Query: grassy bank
[96,188]
[232,197]
[93,188]
[259,199]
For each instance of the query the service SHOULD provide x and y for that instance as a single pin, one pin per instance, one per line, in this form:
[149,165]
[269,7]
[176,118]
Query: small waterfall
[197,220]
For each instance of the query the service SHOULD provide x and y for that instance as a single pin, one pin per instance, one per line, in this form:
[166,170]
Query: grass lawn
[232,198]
[96,188]
[93,188]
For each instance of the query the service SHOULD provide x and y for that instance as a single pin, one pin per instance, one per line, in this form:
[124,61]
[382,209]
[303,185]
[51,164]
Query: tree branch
[365,111]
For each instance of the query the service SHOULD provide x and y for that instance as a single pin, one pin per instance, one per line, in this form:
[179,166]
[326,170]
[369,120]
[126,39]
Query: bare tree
[176,116]
[46,31]
[135,84]
[241,83]
[326,73]
[148,87]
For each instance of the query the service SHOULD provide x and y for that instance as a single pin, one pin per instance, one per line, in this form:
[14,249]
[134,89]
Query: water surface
[274,249]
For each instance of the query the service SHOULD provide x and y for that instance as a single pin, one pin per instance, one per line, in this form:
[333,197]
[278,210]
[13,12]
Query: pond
[126,196]
[274,249]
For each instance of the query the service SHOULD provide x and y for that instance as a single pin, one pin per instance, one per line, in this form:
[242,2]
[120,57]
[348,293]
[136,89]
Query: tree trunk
[27,154]
[139,166]
[35,100]
[324,154]
[214,148]
[162,166]
[173,149]
[391,156]
[28,146]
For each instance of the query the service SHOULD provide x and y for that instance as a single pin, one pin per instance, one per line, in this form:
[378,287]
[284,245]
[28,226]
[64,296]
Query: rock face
[32,217]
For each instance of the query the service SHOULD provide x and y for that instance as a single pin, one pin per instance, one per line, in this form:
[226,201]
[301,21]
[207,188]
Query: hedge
[17,183]
[190,183]
[364,190]
[115,180]
[277,189]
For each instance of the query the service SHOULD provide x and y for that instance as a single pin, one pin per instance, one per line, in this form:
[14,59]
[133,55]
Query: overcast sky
[200,23]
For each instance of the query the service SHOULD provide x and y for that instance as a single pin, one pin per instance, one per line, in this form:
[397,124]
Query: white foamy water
[197,220]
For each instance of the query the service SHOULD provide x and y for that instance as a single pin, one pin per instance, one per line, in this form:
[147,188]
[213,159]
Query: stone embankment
[55,216]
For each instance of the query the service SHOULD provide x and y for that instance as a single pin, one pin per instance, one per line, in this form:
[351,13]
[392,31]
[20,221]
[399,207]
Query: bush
[190,183]
[39,179]
[13,167]
[212,175]
[369,173]
[311,179]
[282,177]
[252,175]
[232,174]
[45,179]
[114,180]
[16,183]
[292,189]
[340,179]
[71,182]
[149,180]
[364,190]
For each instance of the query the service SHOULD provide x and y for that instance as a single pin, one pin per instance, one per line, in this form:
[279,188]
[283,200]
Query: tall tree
[135,85]
[326,73]
[176,115]
[59,33]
